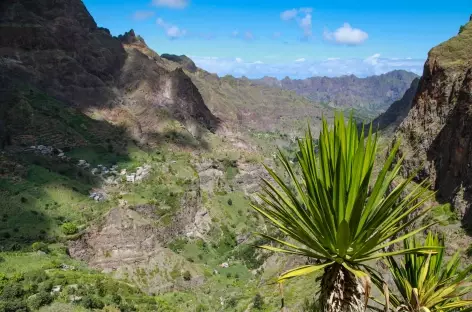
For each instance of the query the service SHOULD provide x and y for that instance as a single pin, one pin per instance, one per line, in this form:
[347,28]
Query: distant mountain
[374,93]
[437,134]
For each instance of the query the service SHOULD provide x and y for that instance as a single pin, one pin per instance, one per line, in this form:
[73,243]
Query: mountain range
[127,176]
[373,94]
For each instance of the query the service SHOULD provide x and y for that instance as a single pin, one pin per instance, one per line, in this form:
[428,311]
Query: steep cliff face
[56,46]
[395,114]
[437,130]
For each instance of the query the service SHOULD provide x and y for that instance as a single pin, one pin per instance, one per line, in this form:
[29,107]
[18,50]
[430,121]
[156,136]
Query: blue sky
[295,38]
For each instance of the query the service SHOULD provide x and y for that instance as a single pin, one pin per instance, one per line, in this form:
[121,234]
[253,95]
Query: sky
[296,38]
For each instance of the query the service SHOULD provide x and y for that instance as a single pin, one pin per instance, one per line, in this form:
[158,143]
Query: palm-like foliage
[427,282]
[335,211]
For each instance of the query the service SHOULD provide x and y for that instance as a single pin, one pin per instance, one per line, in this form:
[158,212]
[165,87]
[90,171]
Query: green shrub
[232,302]
[40,299]
[39,246]
[45,286]
[3,279]
[18,277]
[12,291]
[116,299]
[14,305]
[177,245]
[101,291]
[230,202]
[69,228]
[258,302]
[461,29]
[187,276]
[90,302]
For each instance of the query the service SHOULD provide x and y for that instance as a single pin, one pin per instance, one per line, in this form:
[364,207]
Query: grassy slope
[257,108]
[42,193]
[455,52]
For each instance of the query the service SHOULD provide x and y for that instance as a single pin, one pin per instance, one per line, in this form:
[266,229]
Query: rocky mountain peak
[130,37]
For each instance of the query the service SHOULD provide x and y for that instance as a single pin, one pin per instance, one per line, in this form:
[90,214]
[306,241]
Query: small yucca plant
[338,212]
[427,283]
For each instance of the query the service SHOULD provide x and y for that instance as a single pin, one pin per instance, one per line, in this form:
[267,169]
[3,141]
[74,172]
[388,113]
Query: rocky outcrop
[128,244]
[437,131]
[395,114]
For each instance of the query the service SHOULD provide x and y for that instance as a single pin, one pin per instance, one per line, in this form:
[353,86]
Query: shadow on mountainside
[39,192]
[450,153]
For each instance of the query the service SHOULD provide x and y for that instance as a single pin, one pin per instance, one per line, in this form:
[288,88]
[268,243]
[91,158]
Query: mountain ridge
[373,93]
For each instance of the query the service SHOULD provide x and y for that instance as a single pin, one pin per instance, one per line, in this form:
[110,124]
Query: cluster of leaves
[427,282]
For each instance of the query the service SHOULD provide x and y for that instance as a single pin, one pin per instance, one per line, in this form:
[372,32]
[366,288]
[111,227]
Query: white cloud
[175,32]
[248,35]
[289,14]
[172,31]
[332,67]
[305,24]
[346,35]
[300,60]
[235,33]
[303,17]
[173,4]
[374,59]
[142,15]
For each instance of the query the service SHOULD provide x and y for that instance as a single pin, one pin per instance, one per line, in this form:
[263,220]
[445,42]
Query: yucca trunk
[341,291]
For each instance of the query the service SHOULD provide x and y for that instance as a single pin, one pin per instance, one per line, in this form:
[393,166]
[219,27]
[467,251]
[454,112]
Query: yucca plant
[427,283]
[336,211]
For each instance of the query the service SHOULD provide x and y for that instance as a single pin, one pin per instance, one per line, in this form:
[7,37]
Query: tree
[187,276]
[461,29]
[336,211]
[427,282]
